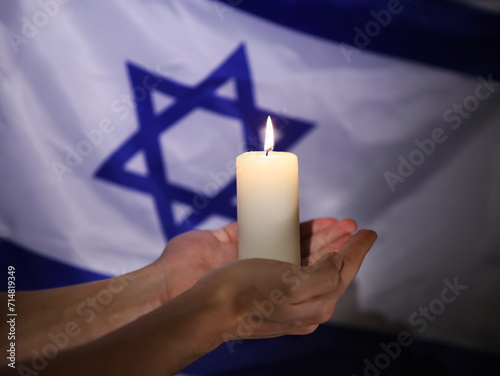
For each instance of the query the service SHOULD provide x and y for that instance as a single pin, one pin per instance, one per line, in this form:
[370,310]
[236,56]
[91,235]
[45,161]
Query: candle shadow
[305,246]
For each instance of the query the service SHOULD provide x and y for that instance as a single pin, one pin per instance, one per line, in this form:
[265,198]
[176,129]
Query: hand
[323,235]
[253,298]
[190,256]
[267,298]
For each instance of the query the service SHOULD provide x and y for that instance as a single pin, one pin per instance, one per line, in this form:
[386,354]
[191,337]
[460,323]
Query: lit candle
[268,203]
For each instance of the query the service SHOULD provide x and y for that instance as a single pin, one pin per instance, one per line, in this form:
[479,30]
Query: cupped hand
[191,255]
[266,298]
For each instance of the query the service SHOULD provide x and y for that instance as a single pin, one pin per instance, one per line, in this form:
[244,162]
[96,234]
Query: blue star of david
[151,125]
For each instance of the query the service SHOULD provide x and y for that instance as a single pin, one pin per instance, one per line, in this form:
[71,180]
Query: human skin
[187,302]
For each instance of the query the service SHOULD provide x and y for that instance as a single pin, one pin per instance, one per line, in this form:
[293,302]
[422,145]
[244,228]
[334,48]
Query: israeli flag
[120,123]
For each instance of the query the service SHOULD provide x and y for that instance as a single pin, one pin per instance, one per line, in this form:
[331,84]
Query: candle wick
[268,150]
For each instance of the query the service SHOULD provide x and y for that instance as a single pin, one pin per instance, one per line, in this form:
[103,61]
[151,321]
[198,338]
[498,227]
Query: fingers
[227,234]
[332,247]
[353,253]
[321,278]
[308,294]
[306,330]
[309,314]
[315,245]
[326,275]
[334,232]
[307,229]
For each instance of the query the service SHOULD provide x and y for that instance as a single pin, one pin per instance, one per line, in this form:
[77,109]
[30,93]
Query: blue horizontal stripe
[34,272]
[336,350]
[331,350]
[435,32]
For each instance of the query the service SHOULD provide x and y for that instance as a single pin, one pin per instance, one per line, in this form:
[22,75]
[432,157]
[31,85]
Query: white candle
[268,203]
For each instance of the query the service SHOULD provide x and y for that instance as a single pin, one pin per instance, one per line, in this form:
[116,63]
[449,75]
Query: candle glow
[269,140]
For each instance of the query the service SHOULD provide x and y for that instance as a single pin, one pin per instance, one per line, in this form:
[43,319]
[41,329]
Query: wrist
[213,316]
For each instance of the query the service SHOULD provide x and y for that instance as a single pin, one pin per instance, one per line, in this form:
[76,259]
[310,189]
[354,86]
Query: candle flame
[269,140]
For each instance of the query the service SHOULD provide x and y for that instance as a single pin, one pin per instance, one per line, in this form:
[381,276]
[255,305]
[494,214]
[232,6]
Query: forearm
[74,315]
[159,343]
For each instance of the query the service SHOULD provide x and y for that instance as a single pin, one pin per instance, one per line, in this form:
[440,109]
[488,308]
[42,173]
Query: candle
[268,203]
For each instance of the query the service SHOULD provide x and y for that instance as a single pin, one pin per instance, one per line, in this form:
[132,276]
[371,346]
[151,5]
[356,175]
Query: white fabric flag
[120,123]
